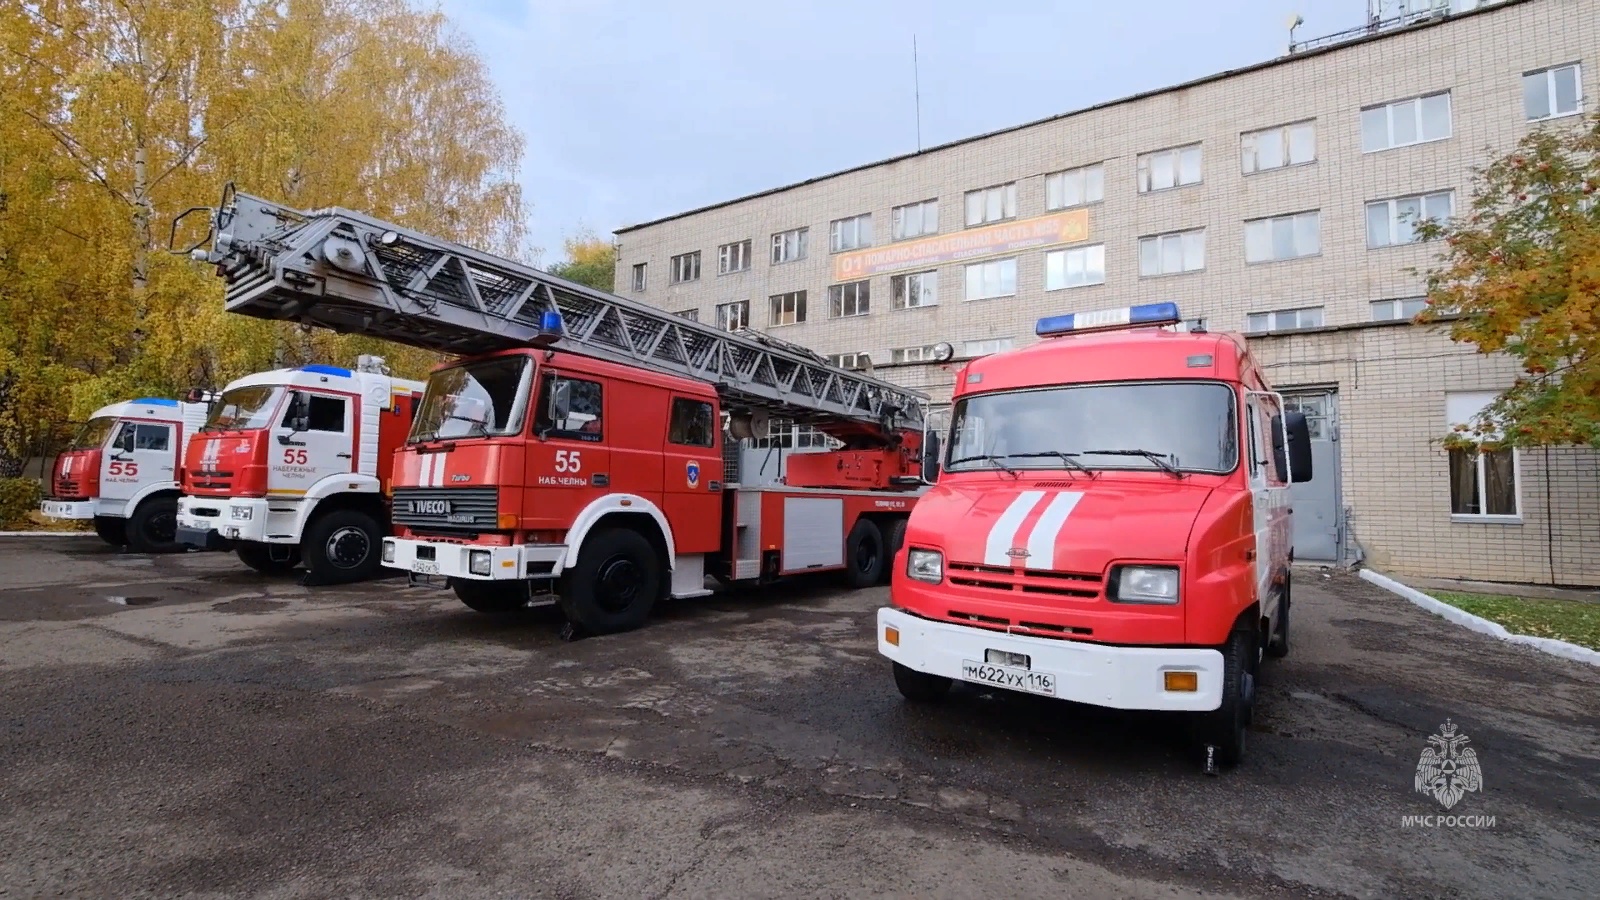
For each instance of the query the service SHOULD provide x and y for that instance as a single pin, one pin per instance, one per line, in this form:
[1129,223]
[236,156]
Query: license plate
[1010,677]
[54,509]
[425,566]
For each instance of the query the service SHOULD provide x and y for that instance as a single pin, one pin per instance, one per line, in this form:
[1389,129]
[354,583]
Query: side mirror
[1297,455]
[560,402]
[930,457]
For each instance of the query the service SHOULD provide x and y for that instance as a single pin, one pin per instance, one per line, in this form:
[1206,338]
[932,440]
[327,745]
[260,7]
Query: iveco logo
[431,507]
[1018,553]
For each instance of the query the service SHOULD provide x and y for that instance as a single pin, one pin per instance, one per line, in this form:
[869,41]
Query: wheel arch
[348,491]
[625,510]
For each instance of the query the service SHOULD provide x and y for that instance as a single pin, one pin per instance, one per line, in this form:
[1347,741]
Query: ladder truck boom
[353,273]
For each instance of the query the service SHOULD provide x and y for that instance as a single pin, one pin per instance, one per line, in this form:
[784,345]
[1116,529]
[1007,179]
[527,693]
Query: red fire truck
[576,451]
[1110,526]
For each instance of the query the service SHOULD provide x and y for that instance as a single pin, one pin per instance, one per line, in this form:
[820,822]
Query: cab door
[692,478]
[569,463]
[314,439]
[140,455]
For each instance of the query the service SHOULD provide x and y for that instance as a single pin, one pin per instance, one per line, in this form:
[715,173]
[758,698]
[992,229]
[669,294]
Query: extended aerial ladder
[352,273]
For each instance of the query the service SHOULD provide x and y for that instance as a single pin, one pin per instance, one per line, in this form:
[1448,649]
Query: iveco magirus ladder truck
[578,449]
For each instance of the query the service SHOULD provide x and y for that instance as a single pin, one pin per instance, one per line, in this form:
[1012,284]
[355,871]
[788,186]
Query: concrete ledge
[1482,625]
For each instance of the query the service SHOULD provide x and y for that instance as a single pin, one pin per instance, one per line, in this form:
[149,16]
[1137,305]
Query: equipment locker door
[314,439]
[693,464]
[568,461]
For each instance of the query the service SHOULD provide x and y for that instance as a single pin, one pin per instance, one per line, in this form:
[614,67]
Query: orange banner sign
[1066,227]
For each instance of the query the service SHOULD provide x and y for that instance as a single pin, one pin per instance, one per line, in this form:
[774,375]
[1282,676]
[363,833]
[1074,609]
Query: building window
[986,347]
[686,267]
[1405,122]
[1169,168]
[733,257]
[1277,147]
[858,360]
[1284,319]
[1483,480]
[1283,237]
[1549,93]
[1172,253]
[1398,308]
[851,233]
[788,246]
[788,309]
[916,219]
[789,436]
[692,315]
[1075,187]
[1392,222]
[912,354]
[992,204]
[638,276]
[914,290]
[995,278]
[733,316]
[1077,267]
[852,299]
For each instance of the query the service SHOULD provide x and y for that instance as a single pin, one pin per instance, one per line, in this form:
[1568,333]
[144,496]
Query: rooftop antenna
[916,80]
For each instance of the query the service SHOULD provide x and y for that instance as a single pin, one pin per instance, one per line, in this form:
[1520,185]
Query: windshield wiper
[985,458]
[1067,458]
[1159,459]
[478,422]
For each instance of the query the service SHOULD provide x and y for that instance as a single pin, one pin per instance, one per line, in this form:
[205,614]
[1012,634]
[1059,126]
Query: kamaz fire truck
[1110,526]
[293,465]
[575,453]
[121,472]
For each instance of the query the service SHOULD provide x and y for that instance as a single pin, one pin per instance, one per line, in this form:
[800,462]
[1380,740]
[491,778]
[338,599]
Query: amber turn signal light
[506,521]
[1187,682]
[891,634]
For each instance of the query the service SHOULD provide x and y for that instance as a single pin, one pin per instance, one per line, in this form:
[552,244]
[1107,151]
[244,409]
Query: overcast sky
[636,109]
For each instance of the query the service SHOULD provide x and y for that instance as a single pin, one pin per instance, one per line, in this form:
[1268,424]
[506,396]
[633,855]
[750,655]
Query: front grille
[450,509]
[211,480]
[1027,581]
[68,489]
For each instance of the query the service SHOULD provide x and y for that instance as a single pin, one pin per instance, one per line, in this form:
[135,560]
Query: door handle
[344,456]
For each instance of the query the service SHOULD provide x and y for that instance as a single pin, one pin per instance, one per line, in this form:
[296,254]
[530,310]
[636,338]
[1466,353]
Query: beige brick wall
[1391,379]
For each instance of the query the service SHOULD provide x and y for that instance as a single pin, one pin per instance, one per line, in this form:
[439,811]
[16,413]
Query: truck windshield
[1173,426]
[244,407]
[477,399]
[92,436]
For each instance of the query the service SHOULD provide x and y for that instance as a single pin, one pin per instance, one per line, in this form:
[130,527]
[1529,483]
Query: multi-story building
[1278,200]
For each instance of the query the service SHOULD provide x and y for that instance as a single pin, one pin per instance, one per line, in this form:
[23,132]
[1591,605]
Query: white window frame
[1252,145]
[1151,165]
[986,198]
[859,360]
[1392,219]
[1089,182]
[787,308]
[850,233]
[921,286]
[850,299]
[640,276]
[1269,321]
[1392,309]
[681,266]
[1090,263]
[999,266]
[692,315]
[733,315]
[789,246]
[1460,408]
[1548,77]
[915,219]
[1399,109]
[1190,241]
[1268,227]
[923,353]
[733,258]
[977,348]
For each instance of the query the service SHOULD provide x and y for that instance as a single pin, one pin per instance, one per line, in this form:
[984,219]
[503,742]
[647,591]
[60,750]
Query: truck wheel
[1224,727]
[112,530]
[258,556]
[615,583]
[1278,646]
[863,554]
[893,539]
[920,687]
[342,546]
[492,596]
[153,527]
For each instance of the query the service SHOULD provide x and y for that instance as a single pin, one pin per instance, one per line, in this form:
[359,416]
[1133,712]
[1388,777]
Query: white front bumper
[455,560]
[68,509]
[237,519]
[1116,677]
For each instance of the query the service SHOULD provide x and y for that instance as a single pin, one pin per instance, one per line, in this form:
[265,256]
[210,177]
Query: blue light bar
[1102,319]
[157,401]
[326,370]
[550,323]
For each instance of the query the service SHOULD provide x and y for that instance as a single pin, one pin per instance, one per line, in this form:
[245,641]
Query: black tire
[492,597]
[112,530]
[153,527]
[342,546]
[618,578]
[1226,726]
[920,687]
[260,557]
[1278,645]
[893,540]
[863,554]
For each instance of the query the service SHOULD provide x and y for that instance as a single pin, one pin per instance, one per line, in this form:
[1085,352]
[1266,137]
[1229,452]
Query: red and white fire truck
[1110,526]
[576,453]
[121,471]
[292,466]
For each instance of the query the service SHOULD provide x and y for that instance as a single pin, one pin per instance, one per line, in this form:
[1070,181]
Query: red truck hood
[1058,525]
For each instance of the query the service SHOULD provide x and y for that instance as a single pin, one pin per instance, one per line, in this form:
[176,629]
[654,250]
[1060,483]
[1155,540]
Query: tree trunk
[143,213]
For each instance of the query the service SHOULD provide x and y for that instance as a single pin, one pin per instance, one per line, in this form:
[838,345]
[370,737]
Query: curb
[1481,625]
[46,534]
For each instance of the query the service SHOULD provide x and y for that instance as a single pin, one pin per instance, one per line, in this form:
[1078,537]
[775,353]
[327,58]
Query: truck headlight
[478,562]
[242,513]
[388,551]
[925,565]
[1147,584]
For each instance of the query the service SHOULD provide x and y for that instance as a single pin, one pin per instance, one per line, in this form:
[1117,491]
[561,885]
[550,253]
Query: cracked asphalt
[179,726]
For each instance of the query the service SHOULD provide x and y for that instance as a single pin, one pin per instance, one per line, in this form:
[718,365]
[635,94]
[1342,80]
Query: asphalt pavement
[179,726]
